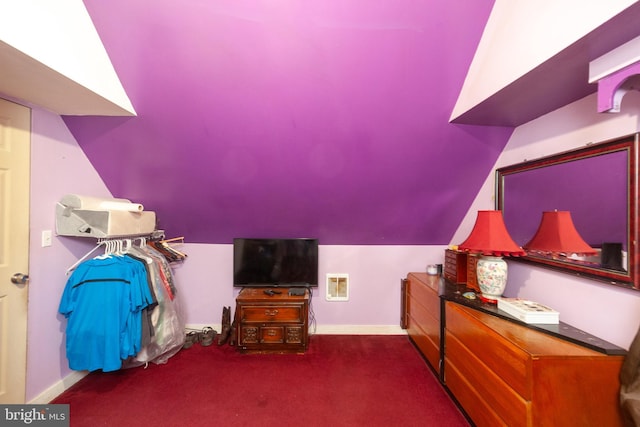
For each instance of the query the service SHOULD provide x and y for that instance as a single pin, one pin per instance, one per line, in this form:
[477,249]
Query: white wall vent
[337,287]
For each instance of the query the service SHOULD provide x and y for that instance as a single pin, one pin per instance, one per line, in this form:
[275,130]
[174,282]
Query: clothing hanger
[77,263]
[169,251]
[111,247]
[174,239]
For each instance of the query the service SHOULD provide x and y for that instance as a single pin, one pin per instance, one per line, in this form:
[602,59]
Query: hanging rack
[112,245]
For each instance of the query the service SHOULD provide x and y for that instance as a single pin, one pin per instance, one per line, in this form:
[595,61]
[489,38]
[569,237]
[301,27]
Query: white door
[15,140]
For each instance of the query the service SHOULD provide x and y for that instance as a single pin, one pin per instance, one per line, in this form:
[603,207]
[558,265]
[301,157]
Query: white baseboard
[198,327]
[358,330]
[55,390]
[333,329]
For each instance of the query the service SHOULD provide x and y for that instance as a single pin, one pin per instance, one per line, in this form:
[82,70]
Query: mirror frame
[629,143]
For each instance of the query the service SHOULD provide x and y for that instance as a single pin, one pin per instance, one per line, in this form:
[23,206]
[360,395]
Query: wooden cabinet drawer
[428,321]
[248,335]
[294,335]
[498,354]
[270,334]
[423,315]
[424,330]
[476,408]
[489,392]
[271,314]
[426,296]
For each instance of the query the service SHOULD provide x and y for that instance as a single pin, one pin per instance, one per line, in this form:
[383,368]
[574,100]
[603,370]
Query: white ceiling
[25,79]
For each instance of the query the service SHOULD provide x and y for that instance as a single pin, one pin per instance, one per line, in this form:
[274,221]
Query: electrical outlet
[46,238]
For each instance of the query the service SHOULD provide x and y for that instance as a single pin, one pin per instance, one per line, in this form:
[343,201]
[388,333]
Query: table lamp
[557,236]
[492,241]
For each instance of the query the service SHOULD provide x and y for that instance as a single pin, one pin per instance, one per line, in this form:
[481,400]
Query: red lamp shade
[558,235]
[490,237]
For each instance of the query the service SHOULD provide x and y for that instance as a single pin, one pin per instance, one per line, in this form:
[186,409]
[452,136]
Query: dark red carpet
[340,381]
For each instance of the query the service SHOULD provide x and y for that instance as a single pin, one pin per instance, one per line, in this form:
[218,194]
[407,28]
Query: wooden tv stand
[277,323]
[502,371]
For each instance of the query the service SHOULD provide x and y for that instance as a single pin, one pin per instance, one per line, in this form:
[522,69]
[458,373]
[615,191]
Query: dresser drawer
[476,408]
[487,391]
[271,334]
[493,350]
[424,330]
[426,296]
[272,314]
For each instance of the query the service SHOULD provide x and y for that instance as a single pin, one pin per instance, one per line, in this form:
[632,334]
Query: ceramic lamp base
[492,277]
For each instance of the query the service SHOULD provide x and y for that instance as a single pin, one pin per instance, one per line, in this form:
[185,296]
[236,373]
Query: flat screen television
[275,262]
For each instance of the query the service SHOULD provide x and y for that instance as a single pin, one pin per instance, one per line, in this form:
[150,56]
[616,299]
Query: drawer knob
[270,312]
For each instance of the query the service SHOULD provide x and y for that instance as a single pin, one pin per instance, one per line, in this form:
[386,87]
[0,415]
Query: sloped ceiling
[26,79]
[293,119]
[559,80]
[51,56]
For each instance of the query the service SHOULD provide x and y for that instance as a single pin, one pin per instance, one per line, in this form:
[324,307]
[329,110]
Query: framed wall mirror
[598,185]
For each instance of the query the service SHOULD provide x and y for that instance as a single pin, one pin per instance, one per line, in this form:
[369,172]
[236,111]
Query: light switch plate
[46,238]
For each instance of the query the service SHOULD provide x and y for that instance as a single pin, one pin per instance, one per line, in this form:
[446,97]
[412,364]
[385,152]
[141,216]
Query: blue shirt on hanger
[102,302]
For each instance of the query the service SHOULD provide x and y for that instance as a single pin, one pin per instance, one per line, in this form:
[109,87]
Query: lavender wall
[374,273]
[58,167]
[293,119]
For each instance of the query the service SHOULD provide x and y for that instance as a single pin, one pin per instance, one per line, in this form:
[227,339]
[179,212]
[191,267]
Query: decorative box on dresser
[276,323]
[455,266]
[502,371]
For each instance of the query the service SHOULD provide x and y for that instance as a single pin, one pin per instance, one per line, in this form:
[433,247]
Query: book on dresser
[529,311]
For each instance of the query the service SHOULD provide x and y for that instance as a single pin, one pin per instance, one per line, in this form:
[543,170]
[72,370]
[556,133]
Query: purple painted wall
[294,119]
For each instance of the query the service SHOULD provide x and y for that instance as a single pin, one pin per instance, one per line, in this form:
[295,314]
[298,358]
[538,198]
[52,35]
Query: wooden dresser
[422,314]
[503,372]
[507,374]
[276,323]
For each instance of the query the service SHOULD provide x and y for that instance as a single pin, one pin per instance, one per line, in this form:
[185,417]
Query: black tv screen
[275,262]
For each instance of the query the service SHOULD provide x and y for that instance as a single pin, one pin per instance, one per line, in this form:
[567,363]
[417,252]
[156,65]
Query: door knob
[20,279]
